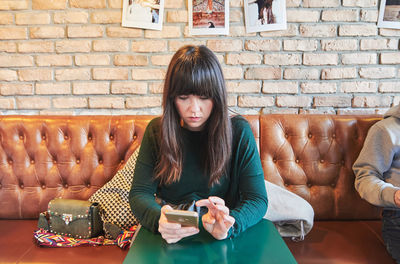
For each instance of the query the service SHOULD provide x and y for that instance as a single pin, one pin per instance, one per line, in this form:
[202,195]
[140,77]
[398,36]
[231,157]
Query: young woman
[195,154]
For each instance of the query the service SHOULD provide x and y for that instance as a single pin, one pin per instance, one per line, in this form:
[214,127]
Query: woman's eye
[182,97]
[204,97]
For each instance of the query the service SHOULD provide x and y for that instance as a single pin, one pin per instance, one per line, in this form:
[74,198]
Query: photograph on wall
[208,17]
[265,15]
[147,14]
[389,14]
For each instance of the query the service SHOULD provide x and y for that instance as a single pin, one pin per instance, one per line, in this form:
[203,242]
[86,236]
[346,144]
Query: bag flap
[74,208]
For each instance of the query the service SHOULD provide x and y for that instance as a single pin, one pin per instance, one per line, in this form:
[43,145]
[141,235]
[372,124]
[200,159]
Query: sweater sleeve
[248,181]
[373,161]
[143,190]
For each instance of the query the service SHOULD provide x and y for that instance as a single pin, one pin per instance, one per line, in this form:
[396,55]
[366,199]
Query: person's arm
[374,160]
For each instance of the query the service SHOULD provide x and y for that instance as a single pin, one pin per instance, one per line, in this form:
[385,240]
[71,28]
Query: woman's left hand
[217,220]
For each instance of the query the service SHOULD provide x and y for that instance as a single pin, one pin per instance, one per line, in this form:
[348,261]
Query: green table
[259,244]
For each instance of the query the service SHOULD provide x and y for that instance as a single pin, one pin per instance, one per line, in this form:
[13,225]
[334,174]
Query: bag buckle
[67,218]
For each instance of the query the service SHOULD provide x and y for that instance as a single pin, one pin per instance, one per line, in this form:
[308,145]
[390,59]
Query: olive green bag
[73,218]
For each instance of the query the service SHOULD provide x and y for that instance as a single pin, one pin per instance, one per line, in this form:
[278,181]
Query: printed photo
[389,14]
[147,14]
[208,17]
[265,15]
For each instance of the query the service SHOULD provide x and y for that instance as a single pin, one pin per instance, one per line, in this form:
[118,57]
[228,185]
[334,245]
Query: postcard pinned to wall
[389,14]
[147,14]
[208,17]
[265,15]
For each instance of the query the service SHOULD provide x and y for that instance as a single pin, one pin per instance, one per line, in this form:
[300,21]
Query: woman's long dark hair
[194,70]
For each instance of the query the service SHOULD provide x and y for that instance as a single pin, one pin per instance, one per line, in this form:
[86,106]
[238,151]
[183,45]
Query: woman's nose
[194,105]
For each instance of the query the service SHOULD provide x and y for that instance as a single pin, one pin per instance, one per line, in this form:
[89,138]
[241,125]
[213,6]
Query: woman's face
[194,110]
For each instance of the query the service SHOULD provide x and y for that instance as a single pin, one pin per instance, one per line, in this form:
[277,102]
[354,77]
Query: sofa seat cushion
[342,242]
[17,245]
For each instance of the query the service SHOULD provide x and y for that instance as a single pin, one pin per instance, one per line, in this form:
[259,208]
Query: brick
[318,87]
[110,45]
[149,46]
[369,15]
[255,101]
[174,4]
[243,58]
[143,101]
[292,111]
[174,45]
[263,73]
[338,73]
[85,31]
[235,16]
[16,89]
[390,58]
[340,15]
[47,32]
[363,30]
[320,59]
[8,47]
[339,44]
[386,32]
[358,87]
[231,73]
[218,45]
[371,101]
[35,74]
[110,74]
[232,101]
[15,61]
[280,87]
[73,46]
[54,60]
[106,102]
[321,111]
[334,101]
[87,4]
[177,16]
[321,3]
[53,88]
[379,44]
[72,74]
[243,87]
[120,32]
[293,3]
[377,73]
[13,33]
[49,4]
[106,17]
[70,102]
[156,87]
[80,88]
[302,15]
[317,30]
[8,75]
[396,100]
[129,88]
[57,112]
[291,31]
[282,59]
[71,17]
[389,87]
[148,74]
[115,4]
[36,47]
[301,74]
[359,58]
[235,3]
[360,3]
[33,102]
[92,59]
[262,45]
[293,101]
[300,45]
[165,33]
[356,112]
[7,103]
[14,5]
[130,60]
[240,31]
[161,60]
[32,18]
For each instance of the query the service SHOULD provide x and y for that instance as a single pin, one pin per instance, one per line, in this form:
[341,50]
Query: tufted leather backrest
[43,157]
[312,156]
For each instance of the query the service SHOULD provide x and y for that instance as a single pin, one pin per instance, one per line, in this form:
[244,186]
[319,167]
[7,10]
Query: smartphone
[185,218]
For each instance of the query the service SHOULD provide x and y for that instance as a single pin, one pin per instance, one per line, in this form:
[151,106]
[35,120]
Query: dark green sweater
[243,188]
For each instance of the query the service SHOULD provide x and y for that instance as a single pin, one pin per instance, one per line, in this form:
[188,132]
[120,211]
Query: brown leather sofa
[43,157]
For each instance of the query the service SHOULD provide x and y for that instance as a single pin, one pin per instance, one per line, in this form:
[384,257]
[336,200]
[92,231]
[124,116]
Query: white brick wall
[73,57]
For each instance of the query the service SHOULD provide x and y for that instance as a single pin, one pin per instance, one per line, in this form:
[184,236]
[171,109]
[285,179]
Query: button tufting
[134,137]
[309,185]
[88,185]
[21,137]
[78,161]
[44,137]
[66,137]
[286,135]
[297,161]
[111,137]
[10,162]
[309,135]
[333,185]
[43,186]
[90,137]
[334,136]
[122,161]
[274,160]
[65,185]
[32,161]
[286,184]
[100,161]
[322,161]
[21,186]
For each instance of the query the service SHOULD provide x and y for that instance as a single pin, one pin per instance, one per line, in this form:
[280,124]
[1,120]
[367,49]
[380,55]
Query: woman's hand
[173,232]
[217,220]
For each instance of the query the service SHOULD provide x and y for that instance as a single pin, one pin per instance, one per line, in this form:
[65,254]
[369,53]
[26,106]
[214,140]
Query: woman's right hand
[173,232]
